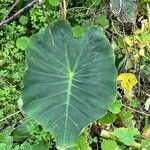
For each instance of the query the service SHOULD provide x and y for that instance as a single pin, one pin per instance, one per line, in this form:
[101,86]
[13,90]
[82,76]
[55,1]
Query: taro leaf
[69,82]
[28,146]
[125,10]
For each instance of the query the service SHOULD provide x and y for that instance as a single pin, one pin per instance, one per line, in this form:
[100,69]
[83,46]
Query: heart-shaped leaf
[69,82]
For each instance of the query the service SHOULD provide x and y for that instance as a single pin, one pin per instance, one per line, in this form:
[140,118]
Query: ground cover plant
[126,24]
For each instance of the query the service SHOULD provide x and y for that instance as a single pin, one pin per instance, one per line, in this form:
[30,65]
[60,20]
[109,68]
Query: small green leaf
[54,2]
[115,107]
[108,118]
[104,22]
[17,147]
[6,141]
[134,103]
[126,135]
[83,142]
[2,146]
[145,144]
[77,31]
[2,73]
[22,42]
[26,146]
[23,20]
[109,145]
[126,115]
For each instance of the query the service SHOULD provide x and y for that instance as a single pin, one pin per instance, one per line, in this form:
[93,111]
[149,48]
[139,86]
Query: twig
[63,8]
[11,8]
[47,20]
[143,113]
[10,116]
[17,14]
[109,135]
[73,8]
[90,7]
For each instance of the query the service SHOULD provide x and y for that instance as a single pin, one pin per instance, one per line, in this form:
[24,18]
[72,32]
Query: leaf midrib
[67,104]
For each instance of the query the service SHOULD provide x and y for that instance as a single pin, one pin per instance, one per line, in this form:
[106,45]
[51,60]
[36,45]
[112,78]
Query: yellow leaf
[129,49]
[136,57]
[127,80]
[146,133]
[141,52]
[141,44]
[138,31]
[129,40]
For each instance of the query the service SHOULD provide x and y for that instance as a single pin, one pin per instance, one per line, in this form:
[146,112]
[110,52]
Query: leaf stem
[10,116]
[137,111]
[108,135]
[63,7]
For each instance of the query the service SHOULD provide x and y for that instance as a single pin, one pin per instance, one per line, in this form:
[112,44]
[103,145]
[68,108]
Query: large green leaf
[69,82]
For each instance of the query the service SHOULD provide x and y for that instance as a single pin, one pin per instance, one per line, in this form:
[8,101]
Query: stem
[11,8]
[63,8]
[17,14]
[146,121]
[109,135]
[137,111]
[10,116]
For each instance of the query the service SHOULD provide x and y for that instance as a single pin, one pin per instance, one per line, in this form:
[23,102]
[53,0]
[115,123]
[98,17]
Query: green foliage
[130,41]
[66,62]
[146,144]
[125,10]
[126,135]
[108,118]
[83,143]
[23,20]
[22,42]
[109,144]
[77,31]
[54,2]
[102,19]
[6,141]
[115,107]
[12,68]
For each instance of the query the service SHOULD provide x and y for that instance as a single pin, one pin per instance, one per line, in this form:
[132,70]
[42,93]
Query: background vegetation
[127,124]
